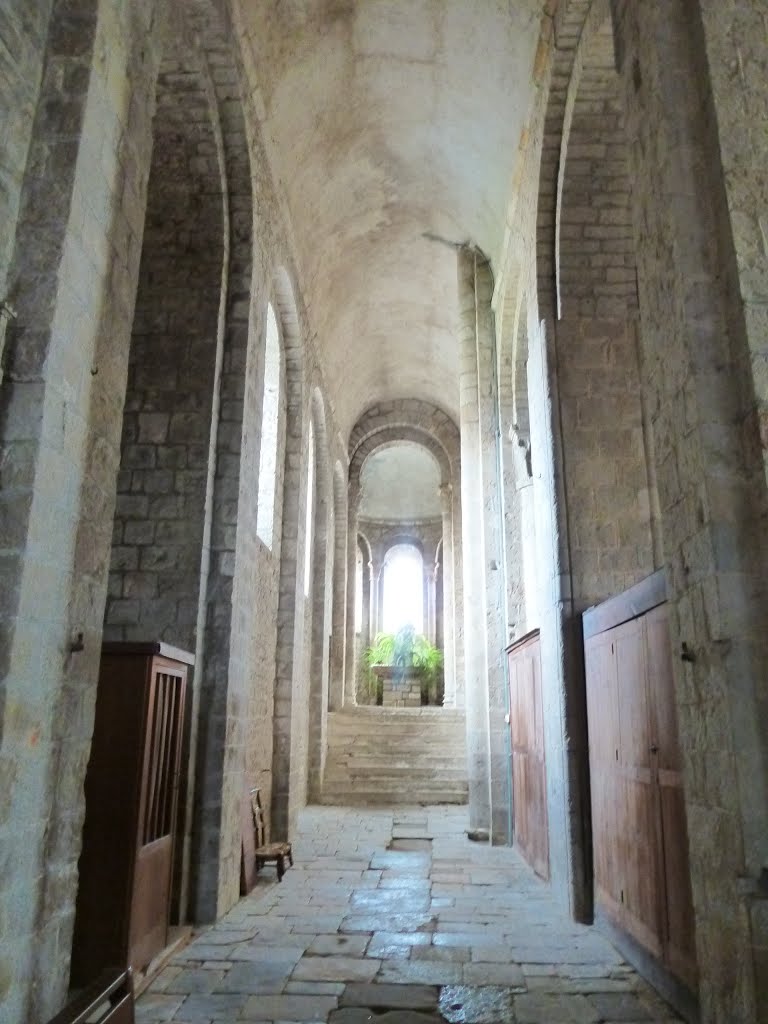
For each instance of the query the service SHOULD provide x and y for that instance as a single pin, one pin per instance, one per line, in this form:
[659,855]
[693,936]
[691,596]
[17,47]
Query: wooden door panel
[638,855]
[679,917]
[662,689]
[632,697]
[149,920]
[642,877]
[604,769]
[678,922]
[520,784]
[528,760]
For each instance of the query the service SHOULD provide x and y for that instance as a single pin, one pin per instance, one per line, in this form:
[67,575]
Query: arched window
[270,415]
[310,510]
[403,589]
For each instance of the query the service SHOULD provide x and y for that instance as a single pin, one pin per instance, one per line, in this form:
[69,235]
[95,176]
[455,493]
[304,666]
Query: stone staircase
[386,756]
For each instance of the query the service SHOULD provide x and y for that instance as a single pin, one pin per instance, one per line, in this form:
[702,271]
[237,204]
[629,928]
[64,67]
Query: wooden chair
[111,996]
[267,852]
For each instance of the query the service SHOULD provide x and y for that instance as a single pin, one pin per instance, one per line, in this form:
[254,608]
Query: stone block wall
[697,374]
[734,56]
[161,490]
[73,276]
[606,480]
[75,270]
[23,32]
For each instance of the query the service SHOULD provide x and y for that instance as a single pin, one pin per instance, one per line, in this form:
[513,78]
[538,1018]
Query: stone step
[392,798]
[382,773]
[454,756]
[383,740]
[405,717]
[375,763]
[380,757]
[418,728]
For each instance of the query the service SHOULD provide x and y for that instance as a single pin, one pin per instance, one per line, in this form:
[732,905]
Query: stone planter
[400,687]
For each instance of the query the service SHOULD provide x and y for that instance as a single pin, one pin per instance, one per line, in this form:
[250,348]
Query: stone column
[350,667]
[365,618]
[373,598]
[475,664]
[339,627]
[449,639]
[430,575]
[484,593]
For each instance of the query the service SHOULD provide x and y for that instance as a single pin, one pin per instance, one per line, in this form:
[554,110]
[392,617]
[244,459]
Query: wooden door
[677,924]
[529,777]
[157,814]
[636,839]
[640,842]
[605,780]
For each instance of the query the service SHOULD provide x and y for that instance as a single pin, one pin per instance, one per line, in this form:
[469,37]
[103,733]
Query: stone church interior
[434,328]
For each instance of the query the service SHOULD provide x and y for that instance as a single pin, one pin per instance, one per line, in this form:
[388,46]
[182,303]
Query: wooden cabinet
[529,776]
[131,796]
[640,839]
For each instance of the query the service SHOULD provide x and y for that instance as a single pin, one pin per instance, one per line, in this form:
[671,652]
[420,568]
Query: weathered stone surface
[391,997]
[460,1004]
[168,170]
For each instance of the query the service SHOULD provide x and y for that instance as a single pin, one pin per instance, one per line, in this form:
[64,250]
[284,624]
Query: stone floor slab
[344,928]
[509,975]
[536,1008]
[461,1004]
[335,968]
[338,945]
[288,1008]
[391,997]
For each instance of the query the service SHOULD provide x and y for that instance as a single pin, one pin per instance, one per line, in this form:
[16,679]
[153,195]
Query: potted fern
[402,654]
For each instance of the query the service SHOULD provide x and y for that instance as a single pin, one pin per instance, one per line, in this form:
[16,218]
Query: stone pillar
[73,285]
[430,575]
[473,508]
[350,666]
[374,604]
[449,639]
[458,592]
[339,625]
[365,618]
[697,367]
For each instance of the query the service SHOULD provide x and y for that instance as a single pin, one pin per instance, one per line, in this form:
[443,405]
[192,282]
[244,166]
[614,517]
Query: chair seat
[273,850]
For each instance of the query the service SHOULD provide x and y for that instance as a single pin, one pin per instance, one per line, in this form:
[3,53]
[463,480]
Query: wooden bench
[111,993]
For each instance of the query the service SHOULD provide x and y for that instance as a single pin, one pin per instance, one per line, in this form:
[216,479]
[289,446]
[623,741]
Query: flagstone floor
[395,917]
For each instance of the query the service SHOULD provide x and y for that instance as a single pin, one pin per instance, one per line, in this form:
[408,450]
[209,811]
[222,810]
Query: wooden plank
[630,604]
[533,634]
[148,648]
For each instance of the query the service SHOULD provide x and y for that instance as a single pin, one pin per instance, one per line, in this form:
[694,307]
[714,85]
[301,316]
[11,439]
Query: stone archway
[430,427]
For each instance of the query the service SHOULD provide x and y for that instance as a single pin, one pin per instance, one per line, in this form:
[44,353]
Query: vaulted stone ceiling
[401,482]
[391,123]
